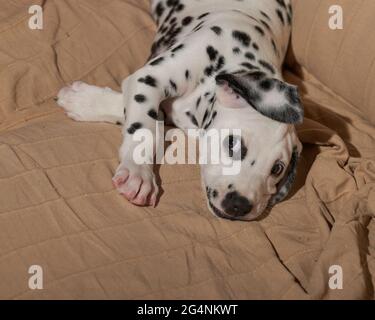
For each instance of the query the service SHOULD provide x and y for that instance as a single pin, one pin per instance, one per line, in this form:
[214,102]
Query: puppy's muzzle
[235,205]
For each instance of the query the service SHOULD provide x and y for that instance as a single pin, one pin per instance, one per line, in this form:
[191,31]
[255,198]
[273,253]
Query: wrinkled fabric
[59,210]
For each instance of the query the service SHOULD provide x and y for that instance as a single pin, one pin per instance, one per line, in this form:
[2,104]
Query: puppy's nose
[236,205]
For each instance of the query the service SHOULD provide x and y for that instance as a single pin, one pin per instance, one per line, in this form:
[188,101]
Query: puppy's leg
[83,102]
[143,93]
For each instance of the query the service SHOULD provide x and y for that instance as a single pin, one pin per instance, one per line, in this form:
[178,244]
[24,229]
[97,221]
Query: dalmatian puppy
[220,63]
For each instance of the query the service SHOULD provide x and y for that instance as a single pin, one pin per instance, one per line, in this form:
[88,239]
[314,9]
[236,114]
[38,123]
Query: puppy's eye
[232,144]
[278,169]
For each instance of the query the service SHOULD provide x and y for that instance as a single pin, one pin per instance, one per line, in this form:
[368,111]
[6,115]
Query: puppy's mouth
[212,194]
[221,214]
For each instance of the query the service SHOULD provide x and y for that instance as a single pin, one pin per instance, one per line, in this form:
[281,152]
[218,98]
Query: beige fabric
[58,208]
[100,41]
[344,60]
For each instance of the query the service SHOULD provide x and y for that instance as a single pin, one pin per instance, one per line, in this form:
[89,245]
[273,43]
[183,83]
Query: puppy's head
[267,150]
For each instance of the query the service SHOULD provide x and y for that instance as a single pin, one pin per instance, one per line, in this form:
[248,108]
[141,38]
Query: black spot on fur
[281,3]
[267,66]
[242,37]
[167,94]
[203,15]
[208,71]
[148,80]
[134,127]
[280,15]
[217,30]
[249,66]
[180,7]
[236,50]
[198,26]
[205,116]
[186,21]
[260,30]
[250,56]
[290,8]
[159,9]
[256,76]
[211,121]
[179,47]
[220,63]
[140,98]
[212,53]
[265,24]
[157,61]
[153,114]
[172,3]
[289,17]
[193,119]
[266,84]
[265,15]
[211,193]
[173,85]
[292,96]
[198,102]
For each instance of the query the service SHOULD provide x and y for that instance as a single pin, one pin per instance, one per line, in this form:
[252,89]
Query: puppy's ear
[271,97]
[230,97]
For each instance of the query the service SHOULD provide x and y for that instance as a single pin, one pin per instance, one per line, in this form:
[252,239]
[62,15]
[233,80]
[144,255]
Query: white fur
[268,140]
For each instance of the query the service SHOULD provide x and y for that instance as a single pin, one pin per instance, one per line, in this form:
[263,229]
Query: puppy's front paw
[137,184]
[75,100]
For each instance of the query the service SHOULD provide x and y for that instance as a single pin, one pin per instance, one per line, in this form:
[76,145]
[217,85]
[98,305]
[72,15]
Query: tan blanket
[59,210]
